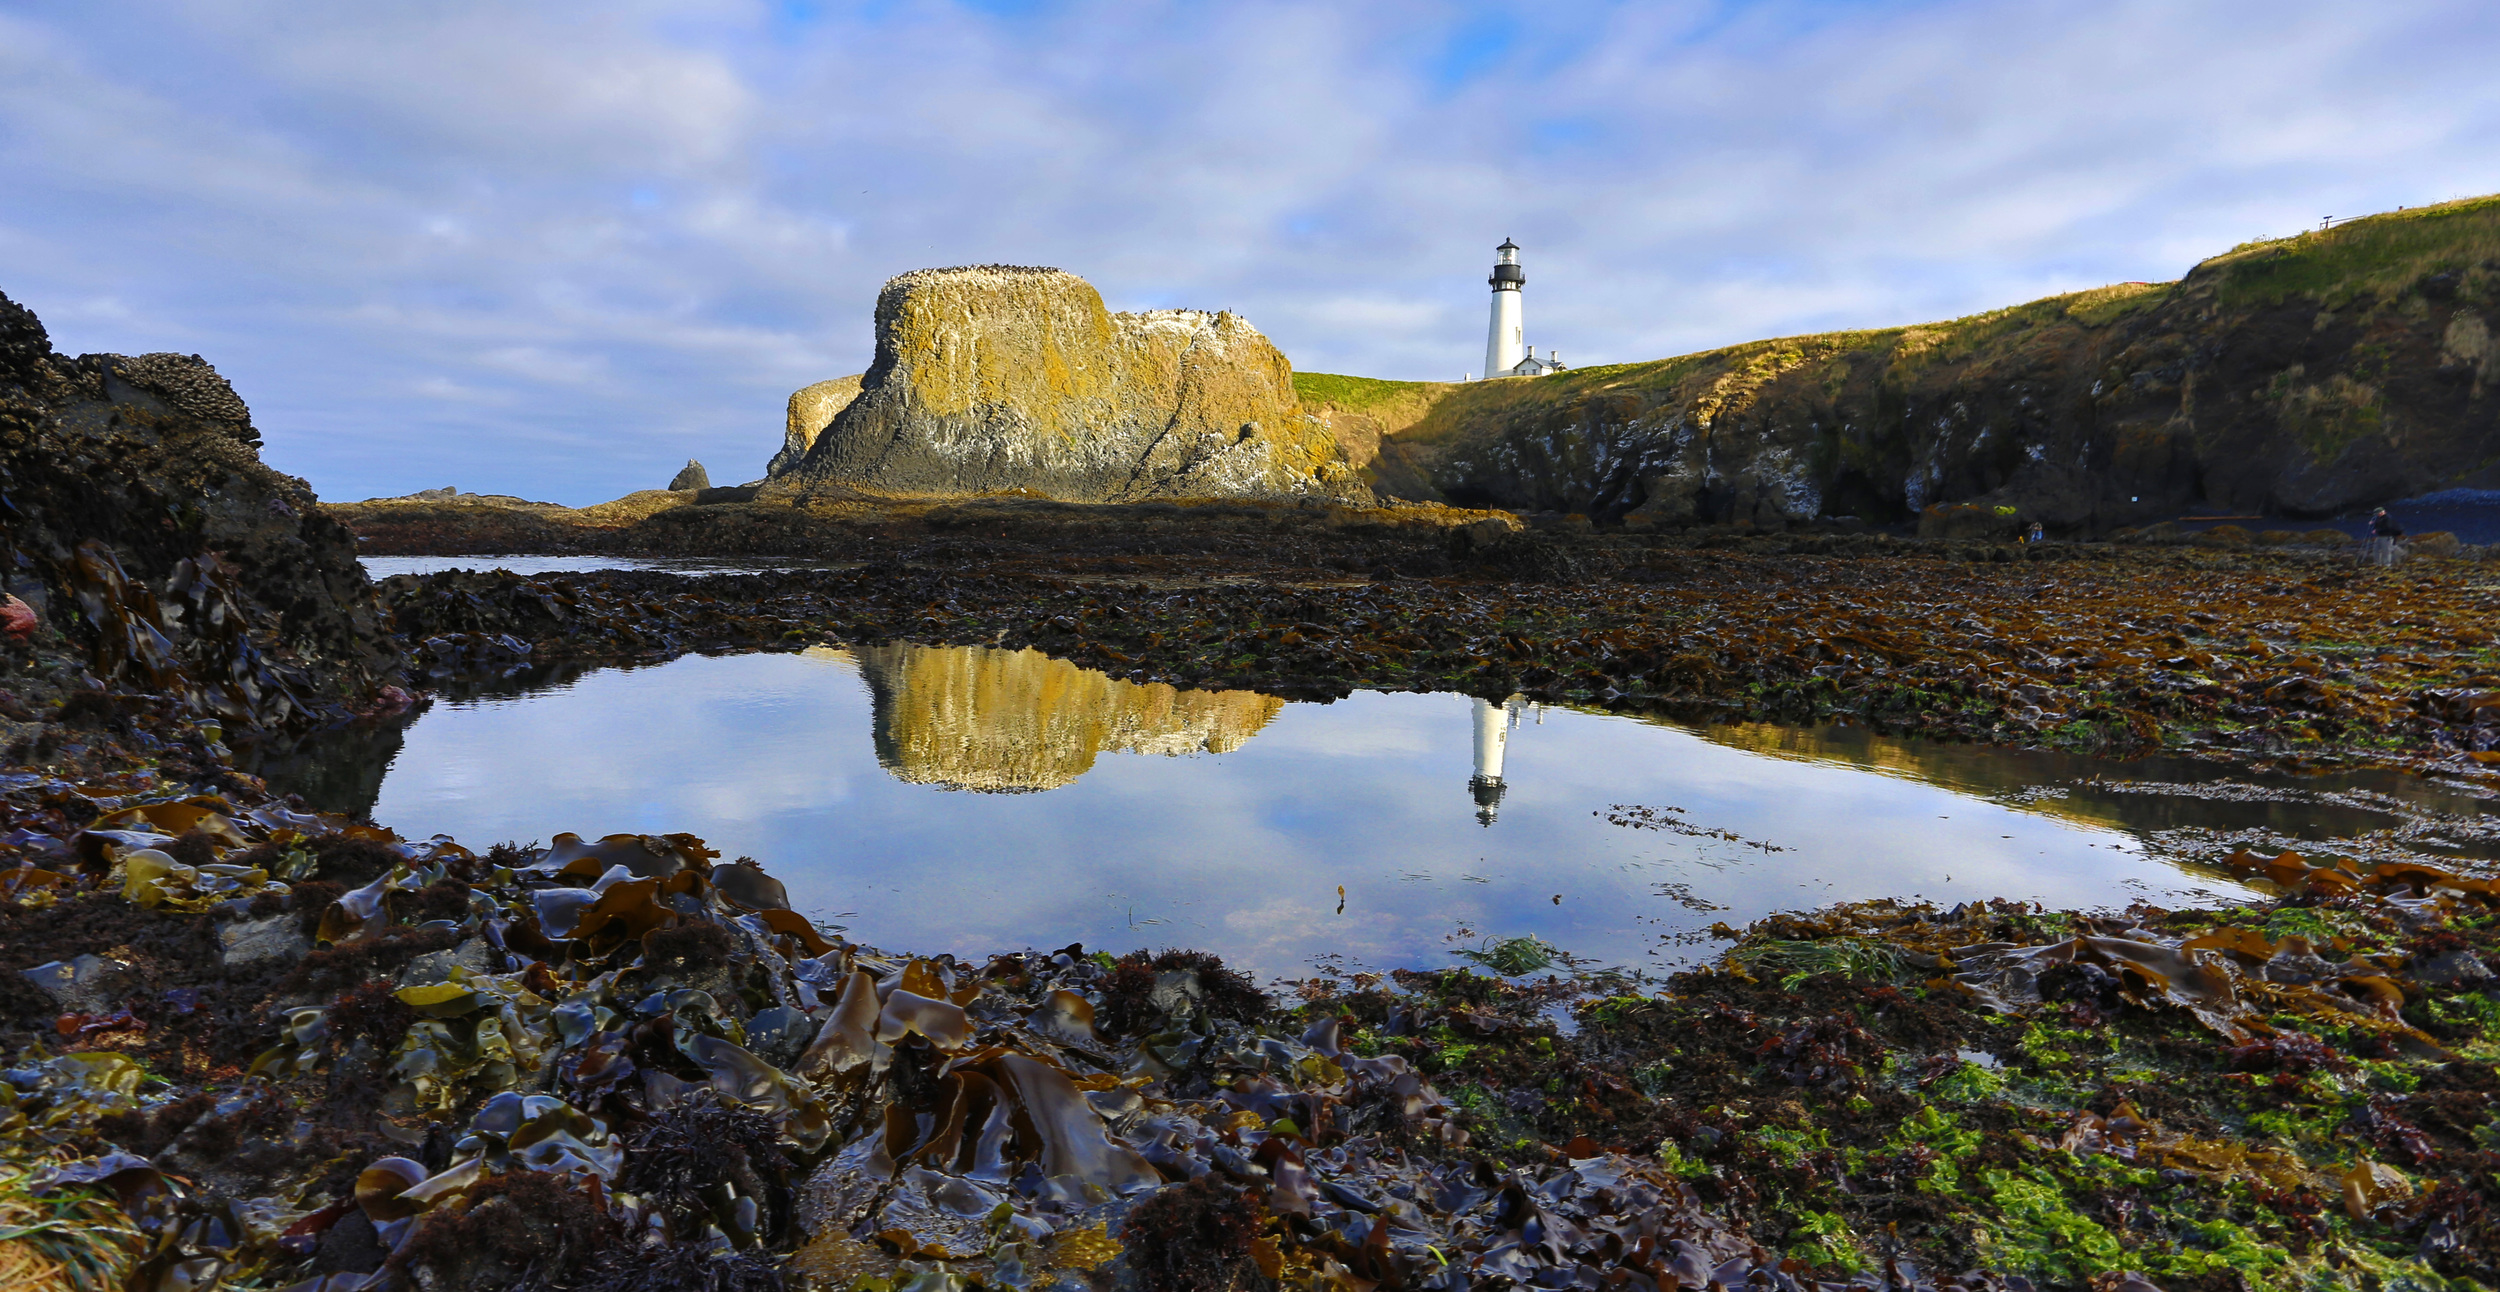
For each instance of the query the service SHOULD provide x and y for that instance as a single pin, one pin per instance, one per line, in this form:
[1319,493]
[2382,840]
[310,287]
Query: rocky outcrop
[1015,721]
[139,515]
[2300,378]
[998,379]
[812,409]
[691,477]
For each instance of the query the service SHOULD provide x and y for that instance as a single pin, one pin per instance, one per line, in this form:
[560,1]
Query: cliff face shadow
[1018,721]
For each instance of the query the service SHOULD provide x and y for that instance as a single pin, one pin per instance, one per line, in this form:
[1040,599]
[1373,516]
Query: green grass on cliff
[1358,394]
[1423,412]
[2378,254]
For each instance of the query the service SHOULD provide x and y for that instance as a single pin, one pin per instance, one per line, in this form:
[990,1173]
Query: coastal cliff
[2301,377]
[997,378]
[1013,721]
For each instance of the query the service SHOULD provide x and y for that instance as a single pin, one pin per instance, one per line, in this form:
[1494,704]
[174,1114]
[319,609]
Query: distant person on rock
[2035,534]
[2383,525]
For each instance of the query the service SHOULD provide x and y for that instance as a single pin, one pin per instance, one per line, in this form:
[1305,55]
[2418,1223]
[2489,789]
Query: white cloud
[639,225]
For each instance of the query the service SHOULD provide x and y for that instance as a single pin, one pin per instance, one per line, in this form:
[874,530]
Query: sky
[556,249]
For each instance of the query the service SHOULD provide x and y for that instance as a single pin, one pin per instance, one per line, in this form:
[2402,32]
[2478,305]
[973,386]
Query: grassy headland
[2296,376]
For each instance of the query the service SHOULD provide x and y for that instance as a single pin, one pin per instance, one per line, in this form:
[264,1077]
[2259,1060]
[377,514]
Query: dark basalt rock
[155,457]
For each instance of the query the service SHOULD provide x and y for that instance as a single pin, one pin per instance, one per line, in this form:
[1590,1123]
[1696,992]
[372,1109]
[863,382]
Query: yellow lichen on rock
[1004,721]
[812,408]
[996,378]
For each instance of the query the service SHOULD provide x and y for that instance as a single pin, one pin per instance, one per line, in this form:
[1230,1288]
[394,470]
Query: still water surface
[383,567]
[973,800]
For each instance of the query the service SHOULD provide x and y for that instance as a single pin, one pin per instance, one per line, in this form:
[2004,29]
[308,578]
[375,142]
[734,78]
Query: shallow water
[2473,515]
[970,800]
[383,567]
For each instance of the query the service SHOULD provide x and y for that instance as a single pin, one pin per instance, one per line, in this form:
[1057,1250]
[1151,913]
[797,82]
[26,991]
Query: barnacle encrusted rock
[996,378]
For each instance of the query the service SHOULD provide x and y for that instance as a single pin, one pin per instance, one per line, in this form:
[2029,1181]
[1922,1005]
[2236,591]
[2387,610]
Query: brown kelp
[286,1050]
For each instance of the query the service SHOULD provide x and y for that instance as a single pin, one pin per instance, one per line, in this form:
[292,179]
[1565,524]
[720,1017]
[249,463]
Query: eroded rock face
[997,378]
[155,458]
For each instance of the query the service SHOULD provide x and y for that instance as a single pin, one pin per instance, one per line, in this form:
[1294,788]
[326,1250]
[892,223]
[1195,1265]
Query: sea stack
[999,378]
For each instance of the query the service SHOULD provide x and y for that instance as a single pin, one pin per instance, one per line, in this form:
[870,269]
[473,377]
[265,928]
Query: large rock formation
[2299,378]
[122,478]
[996,378]
[1011,721]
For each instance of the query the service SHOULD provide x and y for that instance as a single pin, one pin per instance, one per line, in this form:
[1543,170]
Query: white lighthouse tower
[1505,339]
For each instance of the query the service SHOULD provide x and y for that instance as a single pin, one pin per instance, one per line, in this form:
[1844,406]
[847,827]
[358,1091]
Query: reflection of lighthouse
[1493,724]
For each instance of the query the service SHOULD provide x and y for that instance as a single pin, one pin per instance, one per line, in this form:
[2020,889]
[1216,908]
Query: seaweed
[1513,957]
[696,1159]
[1195,1237]
[515,1230]
[1145,991]
[663,1077]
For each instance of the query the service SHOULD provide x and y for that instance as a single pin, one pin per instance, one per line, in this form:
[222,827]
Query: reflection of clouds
[771,756]
[1291,930]
[1388,724]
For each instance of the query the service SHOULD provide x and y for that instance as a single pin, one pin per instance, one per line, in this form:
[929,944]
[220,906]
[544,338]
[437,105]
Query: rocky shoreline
[2305,657]
[253,1046]
[290,1050]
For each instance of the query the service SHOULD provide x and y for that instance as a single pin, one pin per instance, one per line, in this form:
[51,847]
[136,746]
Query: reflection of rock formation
[337,769]
[1493,724]
[1007,721]
[2142,796]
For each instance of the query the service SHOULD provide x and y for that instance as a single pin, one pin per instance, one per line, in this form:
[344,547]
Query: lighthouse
[1493,723]
[1505,339]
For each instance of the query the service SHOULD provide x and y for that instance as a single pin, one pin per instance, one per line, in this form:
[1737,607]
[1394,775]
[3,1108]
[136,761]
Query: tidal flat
[2216,1016]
